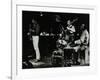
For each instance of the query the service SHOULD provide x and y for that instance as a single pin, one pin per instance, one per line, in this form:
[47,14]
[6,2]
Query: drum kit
[63,55]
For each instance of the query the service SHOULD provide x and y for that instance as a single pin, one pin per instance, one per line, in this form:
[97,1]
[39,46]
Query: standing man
[84,48]
[35,30]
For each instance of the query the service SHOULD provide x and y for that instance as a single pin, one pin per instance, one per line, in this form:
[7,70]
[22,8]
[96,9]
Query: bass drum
[57,58]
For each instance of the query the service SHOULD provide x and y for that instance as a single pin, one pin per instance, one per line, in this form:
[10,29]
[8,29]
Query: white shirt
[71,28]
[85,37]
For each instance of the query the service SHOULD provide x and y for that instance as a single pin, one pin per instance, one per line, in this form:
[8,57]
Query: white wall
[5,36]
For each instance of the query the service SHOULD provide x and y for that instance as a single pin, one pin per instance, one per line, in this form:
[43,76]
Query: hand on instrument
[77,42]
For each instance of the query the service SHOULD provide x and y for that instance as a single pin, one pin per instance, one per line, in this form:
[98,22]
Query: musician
[69,31]
[83,47]
[70,27]
[65,42]
[35,29]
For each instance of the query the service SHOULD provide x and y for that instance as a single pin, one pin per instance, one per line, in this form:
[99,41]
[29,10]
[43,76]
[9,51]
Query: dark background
[47,22]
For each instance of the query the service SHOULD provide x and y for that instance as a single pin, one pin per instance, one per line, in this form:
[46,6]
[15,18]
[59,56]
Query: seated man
[69,38]
[70,30]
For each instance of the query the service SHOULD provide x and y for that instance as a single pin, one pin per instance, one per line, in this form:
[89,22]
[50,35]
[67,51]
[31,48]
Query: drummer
[70,30]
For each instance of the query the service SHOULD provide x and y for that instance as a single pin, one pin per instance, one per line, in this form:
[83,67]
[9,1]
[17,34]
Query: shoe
[36,60]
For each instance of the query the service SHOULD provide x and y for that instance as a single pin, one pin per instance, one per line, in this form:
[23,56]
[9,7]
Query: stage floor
[47,63]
